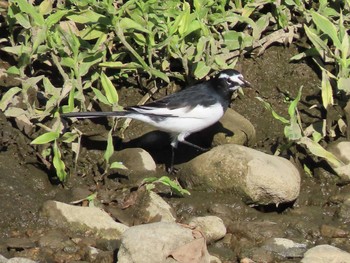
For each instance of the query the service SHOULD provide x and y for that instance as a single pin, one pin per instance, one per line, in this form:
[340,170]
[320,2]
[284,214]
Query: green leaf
[118,165]
[8,96]
[274,114]
[127,23]
[233,40]
[319,44]
[46,138]
[28,8]
[121,65]
[110,147]
[59,164]
[55,17]
[40,37]
[327,27]
[292,131]
[23,20]
[159,74]
[69,137]
[111,92]
[201,70]
[45,7]
[293,106]
[86,17]
[13,70]
[316,149]
[326,91]
[99,95]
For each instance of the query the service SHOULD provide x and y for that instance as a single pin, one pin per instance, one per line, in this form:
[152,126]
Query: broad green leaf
[345,46]
[23,20]
[46,138]
[327,27]
[292,131]
[59,164]
[201,70]
[184,19]
[90,33]
[69,137]
[111,92]
[45,7]
[319,44]
[28,8]
[55,17]
[293,106]
[13,70]
[14,112]
[17,50]
[118,165]
[233,40]
[86,17]
[326,91]
[316,149]
[126,23]
[99,95]
[159,74]
[40,37]
[8,96]
[119,64]
[110,147]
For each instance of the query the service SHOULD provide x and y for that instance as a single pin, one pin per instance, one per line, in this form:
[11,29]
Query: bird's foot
[172,170]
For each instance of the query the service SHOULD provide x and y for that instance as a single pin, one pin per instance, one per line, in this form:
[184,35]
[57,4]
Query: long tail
[95,114]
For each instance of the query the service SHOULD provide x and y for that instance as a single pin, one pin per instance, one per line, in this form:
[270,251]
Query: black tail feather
[94,114]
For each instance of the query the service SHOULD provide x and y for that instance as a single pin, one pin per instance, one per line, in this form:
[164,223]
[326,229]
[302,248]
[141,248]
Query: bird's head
[234,79]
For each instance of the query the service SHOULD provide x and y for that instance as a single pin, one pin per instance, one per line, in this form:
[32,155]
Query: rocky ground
[246,205]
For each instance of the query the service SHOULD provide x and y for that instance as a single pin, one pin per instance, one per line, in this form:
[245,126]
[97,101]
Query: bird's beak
[246,84]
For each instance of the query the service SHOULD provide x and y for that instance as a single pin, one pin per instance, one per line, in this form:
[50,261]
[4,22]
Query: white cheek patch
[233,78]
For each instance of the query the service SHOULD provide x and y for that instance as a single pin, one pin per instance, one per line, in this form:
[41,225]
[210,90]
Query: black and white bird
[185,112]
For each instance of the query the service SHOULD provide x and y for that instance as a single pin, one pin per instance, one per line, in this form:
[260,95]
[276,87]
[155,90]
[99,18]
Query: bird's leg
[195,146]
[171,169]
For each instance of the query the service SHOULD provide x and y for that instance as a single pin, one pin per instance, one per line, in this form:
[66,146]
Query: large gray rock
[83,219]
[258,177]
[341,150]
[212,227]
[15,260]
[233,128]
[161,243]
[325,254]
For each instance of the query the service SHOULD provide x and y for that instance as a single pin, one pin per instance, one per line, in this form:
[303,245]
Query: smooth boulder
[259,178]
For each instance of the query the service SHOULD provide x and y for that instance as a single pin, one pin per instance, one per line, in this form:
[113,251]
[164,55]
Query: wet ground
[315,218]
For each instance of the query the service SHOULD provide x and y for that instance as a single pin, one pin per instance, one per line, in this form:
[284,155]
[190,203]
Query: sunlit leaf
[46,138]
[274,114]
[327,27]
[118,165]
[201,70]
[110,147]
[127,23]
[111,92]
[7,97]
[99,95]
[326,92]
[319,44]
[59,164]
[316,149]
[45,7]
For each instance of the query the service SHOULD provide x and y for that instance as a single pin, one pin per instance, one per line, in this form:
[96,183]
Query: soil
[26,184]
